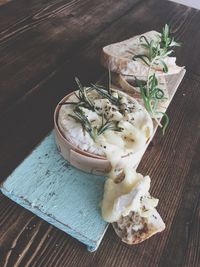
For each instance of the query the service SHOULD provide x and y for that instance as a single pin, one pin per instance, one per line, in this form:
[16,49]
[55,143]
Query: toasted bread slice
[118,57]
[131,209]
[134,229]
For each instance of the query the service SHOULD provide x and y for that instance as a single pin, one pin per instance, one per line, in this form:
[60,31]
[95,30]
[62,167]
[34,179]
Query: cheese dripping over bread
[127,202]
[117,127]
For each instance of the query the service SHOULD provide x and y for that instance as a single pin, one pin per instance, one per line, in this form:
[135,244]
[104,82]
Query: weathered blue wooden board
[67,198]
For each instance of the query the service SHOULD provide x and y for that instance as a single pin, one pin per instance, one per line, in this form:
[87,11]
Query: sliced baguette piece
[134,229]
[118,57]
[139,218]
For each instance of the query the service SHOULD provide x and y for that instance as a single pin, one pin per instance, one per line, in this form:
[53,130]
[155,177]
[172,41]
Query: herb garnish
[157,51]
[80,117]
[82,95]
[152,95]
[85,102]
[104,92]
[109,125]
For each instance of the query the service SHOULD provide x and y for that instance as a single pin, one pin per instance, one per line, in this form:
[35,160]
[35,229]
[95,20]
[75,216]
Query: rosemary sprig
[166,41]
[109,125]
[80,117]
[68,103]
[157,50]
[103,92]
[85,101]
[82,95]
[152,95]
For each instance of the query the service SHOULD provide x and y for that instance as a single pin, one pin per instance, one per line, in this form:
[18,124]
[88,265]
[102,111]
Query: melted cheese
[125,190]
[131,194]
[137,125]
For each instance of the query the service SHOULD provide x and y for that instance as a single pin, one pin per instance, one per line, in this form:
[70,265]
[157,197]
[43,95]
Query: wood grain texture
[59,193]
[3,2]
[43,45]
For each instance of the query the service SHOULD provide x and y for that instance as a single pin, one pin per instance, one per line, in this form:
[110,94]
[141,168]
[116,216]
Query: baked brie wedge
[113,123]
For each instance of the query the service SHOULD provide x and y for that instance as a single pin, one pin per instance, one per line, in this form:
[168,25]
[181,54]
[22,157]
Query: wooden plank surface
[43,45]
[60,194]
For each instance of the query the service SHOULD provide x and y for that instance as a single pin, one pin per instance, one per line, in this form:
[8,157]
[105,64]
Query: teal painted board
[67,198]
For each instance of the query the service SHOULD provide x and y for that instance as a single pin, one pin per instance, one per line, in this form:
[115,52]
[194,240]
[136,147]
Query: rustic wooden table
[43,45]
